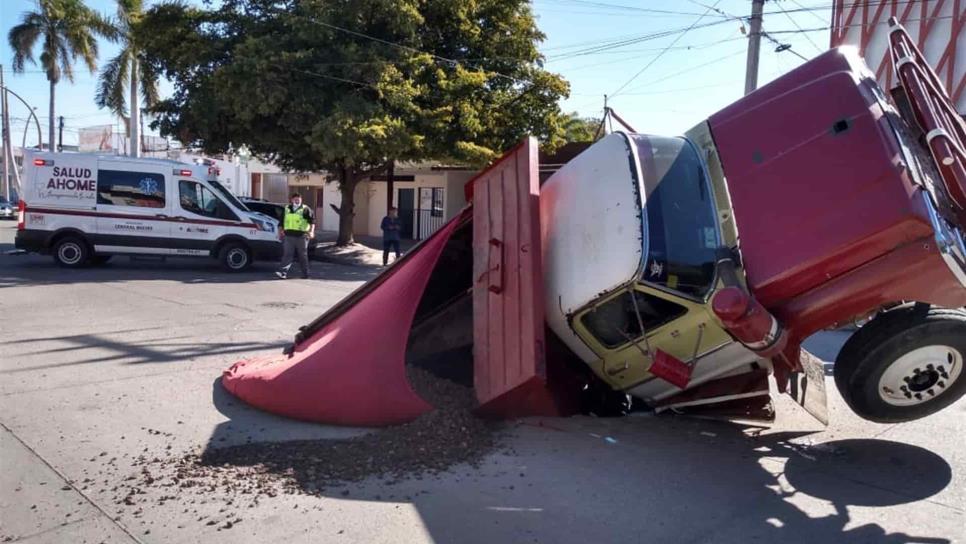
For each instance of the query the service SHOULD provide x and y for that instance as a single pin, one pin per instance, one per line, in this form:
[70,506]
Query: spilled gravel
[246,474]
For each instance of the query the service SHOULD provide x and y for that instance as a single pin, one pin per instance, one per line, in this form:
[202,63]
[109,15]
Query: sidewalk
[367,251]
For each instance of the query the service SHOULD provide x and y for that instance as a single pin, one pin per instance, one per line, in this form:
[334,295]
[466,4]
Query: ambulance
[85,208]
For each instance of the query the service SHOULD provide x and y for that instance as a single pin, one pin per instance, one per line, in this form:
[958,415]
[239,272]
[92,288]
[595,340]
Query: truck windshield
[224,192]
[681,234]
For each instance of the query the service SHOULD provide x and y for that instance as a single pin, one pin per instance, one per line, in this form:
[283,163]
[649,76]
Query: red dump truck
[677,273]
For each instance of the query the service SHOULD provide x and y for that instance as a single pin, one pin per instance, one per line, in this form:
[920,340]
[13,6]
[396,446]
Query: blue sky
[701,70]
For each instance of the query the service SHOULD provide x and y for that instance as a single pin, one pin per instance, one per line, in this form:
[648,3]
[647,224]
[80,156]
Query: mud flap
[807,387]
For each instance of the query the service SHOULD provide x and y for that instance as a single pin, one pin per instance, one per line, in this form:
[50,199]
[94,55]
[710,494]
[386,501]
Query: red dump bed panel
[508,312]
[813,170]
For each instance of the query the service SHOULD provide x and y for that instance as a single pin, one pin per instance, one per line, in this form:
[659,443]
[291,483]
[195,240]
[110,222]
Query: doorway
[406,203]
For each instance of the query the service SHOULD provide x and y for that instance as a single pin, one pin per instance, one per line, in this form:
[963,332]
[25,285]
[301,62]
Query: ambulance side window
[196,198]
[126,188]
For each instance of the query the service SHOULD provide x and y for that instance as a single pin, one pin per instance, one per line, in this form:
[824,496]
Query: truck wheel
[71,252]
[235,257]
[904,365]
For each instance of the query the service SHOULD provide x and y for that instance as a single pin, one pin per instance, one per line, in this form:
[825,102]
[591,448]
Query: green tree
[68,31]
[125,75]
[579,129]
[347,86]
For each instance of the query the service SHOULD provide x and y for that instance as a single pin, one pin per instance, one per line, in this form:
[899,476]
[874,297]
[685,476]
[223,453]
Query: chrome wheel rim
[69,253]
[921,375]
[237,258]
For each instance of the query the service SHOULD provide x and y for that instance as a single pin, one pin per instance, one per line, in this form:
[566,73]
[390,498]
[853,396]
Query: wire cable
[661,54]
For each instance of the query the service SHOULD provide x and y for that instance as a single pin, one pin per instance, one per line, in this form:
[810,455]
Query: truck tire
[235,257]
[71,252]
[905,364]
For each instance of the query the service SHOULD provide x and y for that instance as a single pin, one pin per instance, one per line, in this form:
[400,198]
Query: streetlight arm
[40,140]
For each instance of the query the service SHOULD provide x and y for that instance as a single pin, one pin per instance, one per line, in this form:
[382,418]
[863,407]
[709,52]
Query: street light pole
[754,46]
[7,151]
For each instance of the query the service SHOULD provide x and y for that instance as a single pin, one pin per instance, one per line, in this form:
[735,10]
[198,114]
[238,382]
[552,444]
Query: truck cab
[804,206]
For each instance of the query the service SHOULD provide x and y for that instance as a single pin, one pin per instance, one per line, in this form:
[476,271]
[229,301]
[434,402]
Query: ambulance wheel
[904,365]
[71,252]
[235,257]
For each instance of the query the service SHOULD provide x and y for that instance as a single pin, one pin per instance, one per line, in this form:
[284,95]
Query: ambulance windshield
[226,194]
[682,231]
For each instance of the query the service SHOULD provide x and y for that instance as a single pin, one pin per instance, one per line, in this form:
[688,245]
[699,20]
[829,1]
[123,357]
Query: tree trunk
[51,145]
[134,104]
[347,210]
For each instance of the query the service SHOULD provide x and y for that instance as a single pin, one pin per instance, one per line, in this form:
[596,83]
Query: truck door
[627,330]
[133,210]
[201,218]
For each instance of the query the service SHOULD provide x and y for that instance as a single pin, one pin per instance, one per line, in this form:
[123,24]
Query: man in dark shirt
[390,234]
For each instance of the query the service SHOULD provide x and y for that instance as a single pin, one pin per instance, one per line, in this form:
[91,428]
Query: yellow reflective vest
[295,220]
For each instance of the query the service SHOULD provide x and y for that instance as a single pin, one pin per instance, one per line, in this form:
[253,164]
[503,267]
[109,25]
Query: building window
[122,188]
[438,201]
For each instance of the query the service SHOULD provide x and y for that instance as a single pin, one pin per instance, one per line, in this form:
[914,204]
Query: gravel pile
[447,436]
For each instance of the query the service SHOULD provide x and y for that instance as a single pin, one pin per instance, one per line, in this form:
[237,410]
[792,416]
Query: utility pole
[754,46]
[7,151]
[60,135]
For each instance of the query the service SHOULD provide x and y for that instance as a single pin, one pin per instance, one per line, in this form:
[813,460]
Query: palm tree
[126,72]
[68,30]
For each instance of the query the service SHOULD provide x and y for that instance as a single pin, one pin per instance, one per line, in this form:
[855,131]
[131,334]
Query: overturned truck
[679,272]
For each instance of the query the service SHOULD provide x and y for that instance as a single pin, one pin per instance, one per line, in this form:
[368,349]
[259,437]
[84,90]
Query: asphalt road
[101,365]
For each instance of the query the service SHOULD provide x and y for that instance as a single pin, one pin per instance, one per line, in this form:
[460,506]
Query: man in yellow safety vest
[298,227]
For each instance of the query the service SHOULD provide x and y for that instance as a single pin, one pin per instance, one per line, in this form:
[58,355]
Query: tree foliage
[579,129]
[346,86]
[114,80]
[67,31]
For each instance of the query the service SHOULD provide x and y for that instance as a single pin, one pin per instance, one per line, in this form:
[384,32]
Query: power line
[688,69]
[635,40]
[810,12]
[661,54]
[413,49]
[783,46]
[858,3]
[798,26]
[824,28]
[625,8]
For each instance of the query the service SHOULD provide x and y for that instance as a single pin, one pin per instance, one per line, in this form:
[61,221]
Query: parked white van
[84,208]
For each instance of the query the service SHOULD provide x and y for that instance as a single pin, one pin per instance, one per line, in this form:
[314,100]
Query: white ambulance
[84,208]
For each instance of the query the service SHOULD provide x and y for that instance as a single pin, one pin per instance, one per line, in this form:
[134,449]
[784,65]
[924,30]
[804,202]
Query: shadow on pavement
[246,424]
[16,270]
[655,479]
[164,349]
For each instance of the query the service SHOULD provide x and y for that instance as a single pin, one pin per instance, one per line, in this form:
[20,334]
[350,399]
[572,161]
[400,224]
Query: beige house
[427,196]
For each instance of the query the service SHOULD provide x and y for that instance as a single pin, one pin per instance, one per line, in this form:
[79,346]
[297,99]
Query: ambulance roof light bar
[182,172]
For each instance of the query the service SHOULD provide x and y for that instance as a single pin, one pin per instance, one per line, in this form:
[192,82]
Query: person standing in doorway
[391,228]
[298,227]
